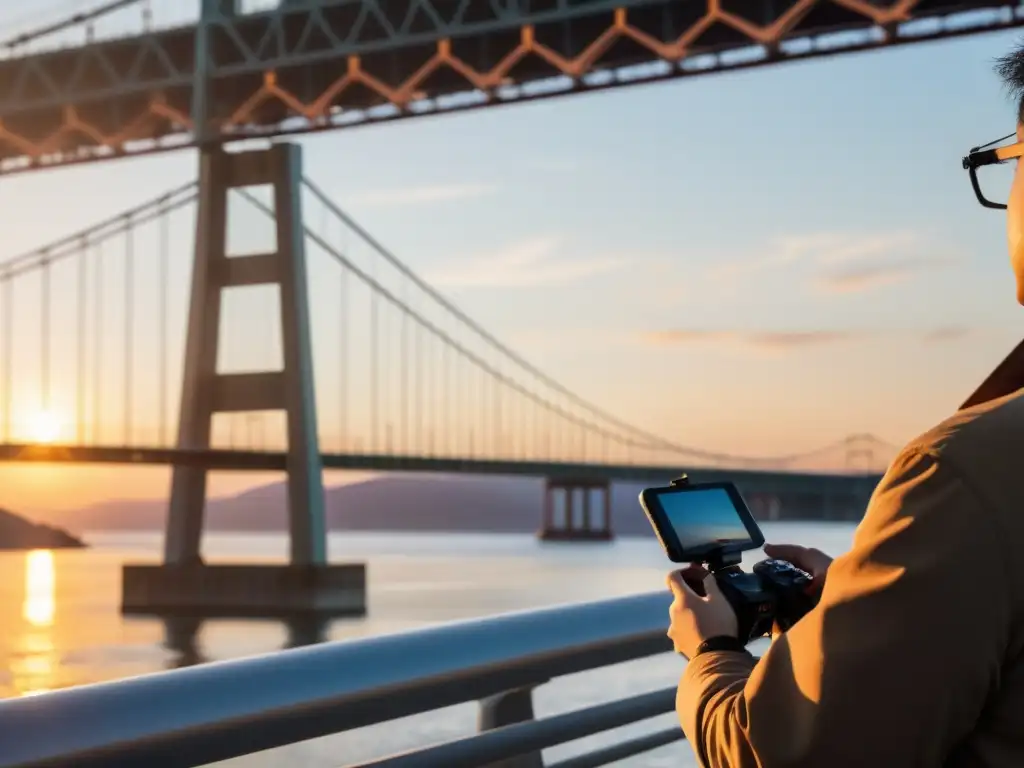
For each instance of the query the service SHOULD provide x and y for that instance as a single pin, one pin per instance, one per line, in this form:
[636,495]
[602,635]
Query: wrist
[729,643]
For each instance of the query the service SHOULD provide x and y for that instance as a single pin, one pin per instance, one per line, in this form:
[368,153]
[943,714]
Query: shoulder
[972,435]
[963,476]
[983,446]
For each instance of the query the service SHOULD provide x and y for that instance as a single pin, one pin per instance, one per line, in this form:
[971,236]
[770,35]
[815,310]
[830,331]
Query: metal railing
[220,710]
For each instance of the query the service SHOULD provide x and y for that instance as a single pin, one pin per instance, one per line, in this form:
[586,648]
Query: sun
[44,427]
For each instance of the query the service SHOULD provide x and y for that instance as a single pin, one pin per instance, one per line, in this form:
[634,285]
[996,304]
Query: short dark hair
[1011,69]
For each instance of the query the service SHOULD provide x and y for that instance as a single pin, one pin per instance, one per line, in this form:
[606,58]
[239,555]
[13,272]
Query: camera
[710,524]
[775,593]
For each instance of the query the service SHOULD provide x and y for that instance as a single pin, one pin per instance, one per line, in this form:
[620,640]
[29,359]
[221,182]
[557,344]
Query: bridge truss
[313,65]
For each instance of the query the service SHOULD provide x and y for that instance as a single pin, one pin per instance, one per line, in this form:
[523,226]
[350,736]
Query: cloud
[764,340]
[559,339]
[837,248]
[786,341]
[843,262]
[531,262]
[438,193]
[864,277]
[817,248]
[946,334]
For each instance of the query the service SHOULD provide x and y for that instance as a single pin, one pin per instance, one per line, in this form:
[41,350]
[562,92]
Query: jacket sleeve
[895,663]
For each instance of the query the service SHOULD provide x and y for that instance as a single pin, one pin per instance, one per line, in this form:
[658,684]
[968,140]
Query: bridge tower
[307,584]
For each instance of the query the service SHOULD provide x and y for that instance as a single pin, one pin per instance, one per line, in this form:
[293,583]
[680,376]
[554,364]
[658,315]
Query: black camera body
[709,524]
[775,593]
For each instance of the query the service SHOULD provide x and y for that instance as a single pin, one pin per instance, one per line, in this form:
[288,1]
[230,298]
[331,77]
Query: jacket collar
[1006,379]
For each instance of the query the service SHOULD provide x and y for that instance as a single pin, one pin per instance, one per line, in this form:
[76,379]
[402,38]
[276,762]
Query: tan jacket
[913,656]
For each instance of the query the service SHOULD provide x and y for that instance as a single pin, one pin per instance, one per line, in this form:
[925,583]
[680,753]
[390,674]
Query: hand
[814,561]
[693,618]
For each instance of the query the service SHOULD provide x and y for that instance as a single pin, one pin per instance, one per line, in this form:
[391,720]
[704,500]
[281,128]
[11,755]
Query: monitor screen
[704,517]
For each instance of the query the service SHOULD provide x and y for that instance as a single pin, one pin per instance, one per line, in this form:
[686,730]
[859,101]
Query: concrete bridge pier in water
[823,498]
[307,584]
[561,497]
[579,507]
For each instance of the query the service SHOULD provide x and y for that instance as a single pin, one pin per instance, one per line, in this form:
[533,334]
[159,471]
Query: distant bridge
[772,495]
[267,461]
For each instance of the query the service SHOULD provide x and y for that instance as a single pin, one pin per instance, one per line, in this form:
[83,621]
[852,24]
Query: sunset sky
[757,263]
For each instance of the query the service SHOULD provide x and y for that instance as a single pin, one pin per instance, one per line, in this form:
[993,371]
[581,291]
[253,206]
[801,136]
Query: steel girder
[322,64]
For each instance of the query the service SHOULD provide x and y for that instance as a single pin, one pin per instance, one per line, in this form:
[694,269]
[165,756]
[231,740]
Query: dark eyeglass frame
[983,155]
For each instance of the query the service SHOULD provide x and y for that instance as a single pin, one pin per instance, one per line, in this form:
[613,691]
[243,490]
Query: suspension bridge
[92,323]
[184,331]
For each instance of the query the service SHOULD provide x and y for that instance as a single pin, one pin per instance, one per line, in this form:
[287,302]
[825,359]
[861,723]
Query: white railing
[203,714]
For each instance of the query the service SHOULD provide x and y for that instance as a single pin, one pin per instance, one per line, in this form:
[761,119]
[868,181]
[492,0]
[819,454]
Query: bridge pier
[307,585]
[818,503]
[586,528]
[765,506]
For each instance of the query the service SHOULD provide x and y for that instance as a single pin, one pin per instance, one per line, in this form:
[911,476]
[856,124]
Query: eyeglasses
[991,173]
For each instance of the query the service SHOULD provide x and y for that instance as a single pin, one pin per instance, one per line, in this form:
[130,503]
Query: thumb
[711,588]
[675,584]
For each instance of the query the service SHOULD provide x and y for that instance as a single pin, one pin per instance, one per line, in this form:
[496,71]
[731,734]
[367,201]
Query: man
[914,655]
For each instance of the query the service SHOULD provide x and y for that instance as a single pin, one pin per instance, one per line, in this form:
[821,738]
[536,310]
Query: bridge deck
[344,62]
[264,461]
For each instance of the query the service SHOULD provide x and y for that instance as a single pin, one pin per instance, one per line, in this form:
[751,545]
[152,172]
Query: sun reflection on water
[40,593]
[34,667]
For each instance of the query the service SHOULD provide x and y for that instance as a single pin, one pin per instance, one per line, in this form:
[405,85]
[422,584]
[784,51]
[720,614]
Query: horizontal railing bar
[623,750]
[532,735]
[220,710]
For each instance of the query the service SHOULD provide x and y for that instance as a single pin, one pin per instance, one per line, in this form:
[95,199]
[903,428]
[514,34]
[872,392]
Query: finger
[801,557]
[788,552]
[817,562]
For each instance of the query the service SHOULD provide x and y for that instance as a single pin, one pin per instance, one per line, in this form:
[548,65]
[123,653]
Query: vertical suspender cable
[343,362]
[418,385]
[428,393]
[446,427]
[129,322]
[499,421]
[539,414]
[44,336]
[80,385]
[97,392]
[165,256]
[384,371]
[8,340]
[404,411]
[373,371]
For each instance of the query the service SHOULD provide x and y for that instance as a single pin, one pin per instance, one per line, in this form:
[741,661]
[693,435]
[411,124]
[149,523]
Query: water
[60,625]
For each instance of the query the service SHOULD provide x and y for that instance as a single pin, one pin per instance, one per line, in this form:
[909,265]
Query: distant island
[18,533]
[400,502]
[397,502]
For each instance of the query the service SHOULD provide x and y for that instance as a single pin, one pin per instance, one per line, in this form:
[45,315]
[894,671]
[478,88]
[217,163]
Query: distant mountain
[390,503]
[18,533]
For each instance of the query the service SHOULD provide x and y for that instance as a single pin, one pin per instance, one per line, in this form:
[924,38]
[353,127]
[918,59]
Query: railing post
[504,709]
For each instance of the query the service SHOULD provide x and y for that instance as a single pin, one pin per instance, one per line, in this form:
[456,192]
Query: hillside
[389,503]
[18,533]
